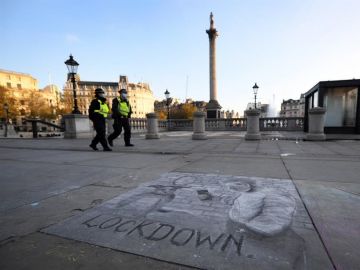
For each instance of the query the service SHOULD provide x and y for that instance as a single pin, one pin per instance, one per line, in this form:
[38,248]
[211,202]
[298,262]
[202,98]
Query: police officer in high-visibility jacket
[121,112]
[98,111]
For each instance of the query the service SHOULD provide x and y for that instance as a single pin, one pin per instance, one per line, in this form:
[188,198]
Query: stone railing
[180,124]
[139,125]
[282,124]
[240,124]
[163,125]
[225,124]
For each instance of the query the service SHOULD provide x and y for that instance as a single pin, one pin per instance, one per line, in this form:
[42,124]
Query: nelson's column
[213,107]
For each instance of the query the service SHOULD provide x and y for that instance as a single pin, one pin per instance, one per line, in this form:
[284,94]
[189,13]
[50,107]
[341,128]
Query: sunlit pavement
[45,181]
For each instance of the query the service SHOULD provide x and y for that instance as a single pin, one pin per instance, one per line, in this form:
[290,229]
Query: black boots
[93,147]
[128,144]
[106,149]
[110,142]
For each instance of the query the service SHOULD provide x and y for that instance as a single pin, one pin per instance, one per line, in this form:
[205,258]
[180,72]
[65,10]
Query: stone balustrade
[240,124]
[139,125]
[282,124]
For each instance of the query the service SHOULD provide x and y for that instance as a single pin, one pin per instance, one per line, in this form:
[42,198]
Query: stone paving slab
[32,217]
[335,211]
[206,220]
[331,170]
[39,251]
[238,165]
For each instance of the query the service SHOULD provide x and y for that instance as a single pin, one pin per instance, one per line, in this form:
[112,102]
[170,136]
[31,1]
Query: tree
[188,109]
[182,111]
[7,96]
[162,114]
[38,106]
[177,111]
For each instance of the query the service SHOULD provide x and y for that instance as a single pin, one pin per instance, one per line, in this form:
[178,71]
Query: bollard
[152,126]
[77,126]
[34,129]
[199,126]
[316,124]
[252,130]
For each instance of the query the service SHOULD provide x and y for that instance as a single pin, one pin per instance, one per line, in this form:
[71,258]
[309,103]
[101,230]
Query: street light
[6,110]
[72,67]
[255,89]
[167,95]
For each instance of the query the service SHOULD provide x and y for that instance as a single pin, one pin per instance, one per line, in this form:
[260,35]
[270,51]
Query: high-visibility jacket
[124,107]
[104,109]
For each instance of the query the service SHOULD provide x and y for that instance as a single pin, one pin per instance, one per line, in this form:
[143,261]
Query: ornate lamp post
[167,95]
[6,110]
[255,89]
[72,66]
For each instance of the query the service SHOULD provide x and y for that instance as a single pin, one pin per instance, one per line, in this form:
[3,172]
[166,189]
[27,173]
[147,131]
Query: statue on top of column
[211,21]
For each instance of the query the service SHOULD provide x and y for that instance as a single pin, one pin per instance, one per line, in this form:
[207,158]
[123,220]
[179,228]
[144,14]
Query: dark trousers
[100,128]
[119,124]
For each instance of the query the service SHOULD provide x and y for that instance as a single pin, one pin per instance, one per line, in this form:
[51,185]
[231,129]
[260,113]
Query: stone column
[199,126]
[77,126]
[252,122]
[212,63]
[152,126]
[213,107]
[316,124]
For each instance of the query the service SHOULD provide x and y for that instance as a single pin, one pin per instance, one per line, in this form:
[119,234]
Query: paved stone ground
[48,185]
[192,219]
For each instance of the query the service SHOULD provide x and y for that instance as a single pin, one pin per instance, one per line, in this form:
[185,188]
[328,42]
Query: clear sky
[286,46]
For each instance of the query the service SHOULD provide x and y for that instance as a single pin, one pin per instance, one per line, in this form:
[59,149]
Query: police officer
[121,112]
[98,111]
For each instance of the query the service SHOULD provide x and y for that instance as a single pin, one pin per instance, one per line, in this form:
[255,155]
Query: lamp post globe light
[72,67]
[6,111]
[255,89]
[167,95]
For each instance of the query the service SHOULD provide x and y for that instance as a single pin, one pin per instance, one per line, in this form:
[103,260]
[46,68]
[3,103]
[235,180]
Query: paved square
[208,221]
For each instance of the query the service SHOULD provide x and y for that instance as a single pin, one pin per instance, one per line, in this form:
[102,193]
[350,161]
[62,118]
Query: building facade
[140,96]
[16,80]
[293,107]
[52,97]
[341,100]
[24,97]
[264,109]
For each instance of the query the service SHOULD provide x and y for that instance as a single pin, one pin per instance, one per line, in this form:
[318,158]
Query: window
[19,86]
[8,85]
[310,105]
[341,104]
[316,95]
